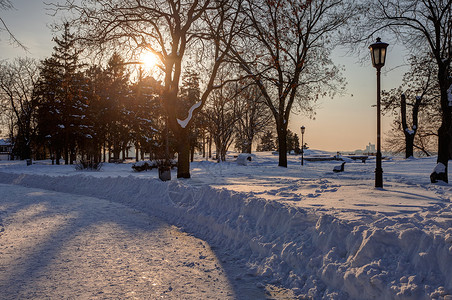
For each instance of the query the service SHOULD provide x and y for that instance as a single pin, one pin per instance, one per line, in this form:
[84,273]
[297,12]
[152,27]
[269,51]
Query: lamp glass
[382,56]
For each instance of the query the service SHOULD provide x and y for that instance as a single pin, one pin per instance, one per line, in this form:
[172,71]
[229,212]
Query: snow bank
[313,253]
[244,158]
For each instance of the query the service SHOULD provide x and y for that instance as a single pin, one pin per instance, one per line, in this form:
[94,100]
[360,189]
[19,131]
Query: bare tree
[418,96]
[17,83]
[286,50]
[6,5]
[255,117]
[169,29]
[425,26]
[425,141]
[223,113]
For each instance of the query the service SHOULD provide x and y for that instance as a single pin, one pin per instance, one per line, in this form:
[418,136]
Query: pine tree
[117,92]
[267,142]
[61,103]
[147,118]
[293,143]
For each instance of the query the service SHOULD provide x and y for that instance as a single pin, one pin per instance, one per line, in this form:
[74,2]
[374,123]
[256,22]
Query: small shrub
[88,165]
[141,166]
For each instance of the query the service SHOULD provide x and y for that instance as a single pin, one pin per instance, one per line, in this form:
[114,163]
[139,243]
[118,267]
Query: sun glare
[149,60]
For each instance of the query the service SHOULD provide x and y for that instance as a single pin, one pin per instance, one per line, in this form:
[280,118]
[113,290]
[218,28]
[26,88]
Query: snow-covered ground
[302,231]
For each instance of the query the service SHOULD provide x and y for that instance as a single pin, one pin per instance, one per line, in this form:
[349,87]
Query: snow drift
[312,252]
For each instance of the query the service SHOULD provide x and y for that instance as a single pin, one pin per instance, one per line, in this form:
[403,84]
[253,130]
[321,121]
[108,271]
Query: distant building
[370,149]
[6,149]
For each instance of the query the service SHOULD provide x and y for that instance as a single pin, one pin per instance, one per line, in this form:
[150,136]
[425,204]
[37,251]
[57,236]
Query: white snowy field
[305,231]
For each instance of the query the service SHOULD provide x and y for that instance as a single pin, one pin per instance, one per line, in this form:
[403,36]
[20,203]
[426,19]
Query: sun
[149,60]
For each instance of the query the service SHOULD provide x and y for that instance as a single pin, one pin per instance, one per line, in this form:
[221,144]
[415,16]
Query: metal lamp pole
[302,144]
[378,54]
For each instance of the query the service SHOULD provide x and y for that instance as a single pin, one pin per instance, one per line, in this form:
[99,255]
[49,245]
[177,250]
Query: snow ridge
[315,254]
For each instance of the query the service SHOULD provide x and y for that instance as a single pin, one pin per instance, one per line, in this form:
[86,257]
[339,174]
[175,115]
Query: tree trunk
[99,154]
[223,152]
[409,145]
[72,156]
[66,156]
[409,134]
[116,150]
[282,146]
[249,146]
[443,154]
[217,151]
[58,157]
[104,148]
[444,132]
[203,143]
[183,160]
[137,152]
[210,146]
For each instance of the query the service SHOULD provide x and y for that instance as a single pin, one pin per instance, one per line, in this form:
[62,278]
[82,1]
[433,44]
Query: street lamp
[302,143]
[378,54]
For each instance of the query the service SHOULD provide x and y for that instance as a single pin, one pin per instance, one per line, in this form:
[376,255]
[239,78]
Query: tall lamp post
[378,54]
[302,143]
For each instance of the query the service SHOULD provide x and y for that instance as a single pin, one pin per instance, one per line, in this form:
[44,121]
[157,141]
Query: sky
[344,123]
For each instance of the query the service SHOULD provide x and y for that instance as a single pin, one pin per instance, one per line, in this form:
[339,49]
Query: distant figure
[340,168]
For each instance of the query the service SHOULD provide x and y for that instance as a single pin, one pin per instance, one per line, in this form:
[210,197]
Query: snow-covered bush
[141,166]
[88,165]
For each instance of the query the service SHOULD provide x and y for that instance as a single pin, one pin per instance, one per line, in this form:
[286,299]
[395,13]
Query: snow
[184,123]
[244,158]
[410,131]
[5,142]
[440,168]
[300,231]
[110,251]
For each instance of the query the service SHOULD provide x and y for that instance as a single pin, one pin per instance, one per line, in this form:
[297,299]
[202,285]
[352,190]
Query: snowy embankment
[311,251]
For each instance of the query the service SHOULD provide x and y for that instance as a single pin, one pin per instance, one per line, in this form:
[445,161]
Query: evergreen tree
[293,143]
[267,142]
[117,90]
[93,129]
[148,123]
[61,100]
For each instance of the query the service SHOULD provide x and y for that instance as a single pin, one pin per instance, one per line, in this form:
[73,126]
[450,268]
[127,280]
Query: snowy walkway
[55,245]
[303,231]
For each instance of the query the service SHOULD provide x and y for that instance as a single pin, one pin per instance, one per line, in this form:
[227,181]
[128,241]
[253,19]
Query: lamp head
[378,53]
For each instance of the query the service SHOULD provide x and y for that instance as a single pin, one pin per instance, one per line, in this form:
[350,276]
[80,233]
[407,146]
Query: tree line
[252,58]
[62,109]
